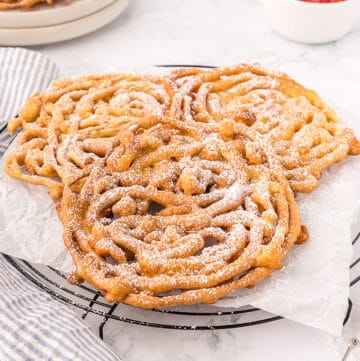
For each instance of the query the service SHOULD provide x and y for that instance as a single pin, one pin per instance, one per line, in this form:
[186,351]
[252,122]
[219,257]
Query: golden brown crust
[21,4]
[307,135]
[218,152]
[72,124]
[224,219]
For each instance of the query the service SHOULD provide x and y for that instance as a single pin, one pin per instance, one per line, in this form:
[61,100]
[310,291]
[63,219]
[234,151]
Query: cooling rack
[91,303]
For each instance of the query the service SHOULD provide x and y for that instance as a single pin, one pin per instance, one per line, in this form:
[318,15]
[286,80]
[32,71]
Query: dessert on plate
[21,4]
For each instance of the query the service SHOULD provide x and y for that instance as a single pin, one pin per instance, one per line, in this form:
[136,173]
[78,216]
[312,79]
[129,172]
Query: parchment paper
[313,286]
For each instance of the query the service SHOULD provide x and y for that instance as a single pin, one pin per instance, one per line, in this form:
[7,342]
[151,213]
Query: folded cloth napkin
[33,325]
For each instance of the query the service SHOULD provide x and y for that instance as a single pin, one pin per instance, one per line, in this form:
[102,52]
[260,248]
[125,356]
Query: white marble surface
[219,32]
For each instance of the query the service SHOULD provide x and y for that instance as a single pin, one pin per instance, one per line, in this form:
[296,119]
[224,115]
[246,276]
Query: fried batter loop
[72,124]
[21,4]
[177,216]
[306,134]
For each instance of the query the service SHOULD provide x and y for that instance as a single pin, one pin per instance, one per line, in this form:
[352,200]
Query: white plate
[45,15]
[65,31]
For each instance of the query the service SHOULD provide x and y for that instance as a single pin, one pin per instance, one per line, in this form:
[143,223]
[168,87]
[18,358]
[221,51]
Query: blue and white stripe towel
[34,326]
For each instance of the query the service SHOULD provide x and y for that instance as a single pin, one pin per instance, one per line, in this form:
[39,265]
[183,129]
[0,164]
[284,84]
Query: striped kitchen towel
[33,325]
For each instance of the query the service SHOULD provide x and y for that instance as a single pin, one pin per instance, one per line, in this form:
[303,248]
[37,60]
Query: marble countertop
[218,33]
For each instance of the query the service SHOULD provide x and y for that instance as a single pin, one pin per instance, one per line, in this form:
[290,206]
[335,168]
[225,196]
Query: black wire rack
[92,304]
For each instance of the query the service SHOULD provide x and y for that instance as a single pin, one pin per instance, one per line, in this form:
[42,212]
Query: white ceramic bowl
[312,23]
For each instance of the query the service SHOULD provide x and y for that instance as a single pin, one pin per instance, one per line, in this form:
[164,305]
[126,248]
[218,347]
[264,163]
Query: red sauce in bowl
[323,1]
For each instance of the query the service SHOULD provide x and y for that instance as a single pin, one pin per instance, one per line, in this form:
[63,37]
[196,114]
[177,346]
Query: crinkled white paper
[29,227]
[312,288]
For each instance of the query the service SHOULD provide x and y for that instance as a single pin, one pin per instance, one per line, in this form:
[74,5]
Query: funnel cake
[177,216]
[20,4]
[86,112]
[306,134]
